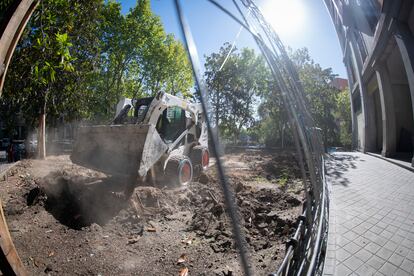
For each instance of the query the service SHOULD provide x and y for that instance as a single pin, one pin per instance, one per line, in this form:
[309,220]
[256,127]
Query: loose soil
[69,220]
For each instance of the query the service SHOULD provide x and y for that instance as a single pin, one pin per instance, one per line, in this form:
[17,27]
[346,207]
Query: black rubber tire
[179,170]
[197,154]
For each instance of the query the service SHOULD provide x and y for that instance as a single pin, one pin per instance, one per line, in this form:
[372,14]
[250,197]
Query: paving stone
[330,254]
[362,241]
[410,255]
[397,238]
[396,259]
[384,253]
[380,240]
[351,235]
[402,250]
[377,230]
[342,254]
[352,247]
[382,224]
[410,237]
[341,240]
[374,216]
[366,270]
[370,235]
[388,269]
[400,272]
[364,255]
[392,228]
[372,247]
[341,269]
[376,262]
[407,265]
[353,263]
[390,245]
[328,270]
[386,234]
[402,232]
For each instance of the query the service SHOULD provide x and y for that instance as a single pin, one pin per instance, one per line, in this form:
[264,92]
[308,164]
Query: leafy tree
[44,64]
[77,58]
[137,59]
[329,107]
[216,81]
[320,93]
[235,87]
[343,114]
[273,128]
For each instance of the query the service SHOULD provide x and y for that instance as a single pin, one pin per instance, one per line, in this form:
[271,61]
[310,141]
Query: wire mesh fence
[305,250]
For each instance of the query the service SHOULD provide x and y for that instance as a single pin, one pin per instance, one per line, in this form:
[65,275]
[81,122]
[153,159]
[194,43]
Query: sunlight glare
[286,16]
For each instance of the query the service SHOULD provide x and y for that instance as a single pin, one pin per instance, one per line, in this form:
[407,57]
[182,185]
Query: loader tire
[200,156]
[179,170]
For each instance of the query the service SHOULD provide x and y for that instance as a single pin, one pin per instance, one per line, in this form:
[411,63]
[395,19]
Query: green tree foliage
[76,59]
[44,69]
[137,58]
[234,88]
[273,127]
[320,94]
[244,84]
[343,114]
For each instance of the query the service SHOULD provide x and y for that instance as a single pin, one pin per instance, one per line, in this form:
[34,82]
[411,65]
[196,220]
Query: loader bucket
[118,149]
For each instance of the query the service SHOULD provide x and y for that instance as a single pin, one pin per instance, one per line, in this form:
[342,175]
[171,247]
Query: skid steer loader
[164,142]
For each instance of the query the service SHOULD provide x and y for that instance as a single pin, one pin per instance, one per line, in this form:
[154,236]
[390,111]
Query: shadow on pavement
[339,163]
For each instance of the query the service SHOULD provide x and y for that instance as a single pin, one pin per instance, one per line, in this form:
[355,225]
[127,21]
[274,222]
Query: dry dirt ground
[68,220]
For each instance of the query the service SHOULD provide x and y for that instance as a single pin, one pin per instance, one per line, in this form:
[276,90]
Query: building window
[356,102]
[361,46]
[372,9]
[362,15]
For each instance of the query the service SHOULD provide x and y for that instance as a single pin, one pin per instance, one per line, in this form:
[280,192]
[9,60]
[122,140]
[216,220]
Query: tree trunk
[217,117]
[41,137]
[41,134]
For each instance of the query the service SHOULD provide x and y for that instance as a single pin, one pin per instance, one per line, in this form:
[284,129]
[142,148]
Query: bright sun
[286,16]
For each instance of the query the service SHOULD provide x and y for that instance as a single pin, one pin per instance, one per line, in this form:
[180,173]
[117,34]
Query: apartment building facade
[377,40]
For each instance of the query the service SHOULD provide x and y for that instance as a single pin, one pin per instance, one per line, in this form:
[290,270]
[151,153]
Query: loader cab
[171,123]
[141,108]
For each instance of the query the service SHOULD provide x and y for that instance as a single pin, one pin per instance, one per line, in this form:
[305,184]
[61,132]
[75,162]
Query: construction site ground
[69,220]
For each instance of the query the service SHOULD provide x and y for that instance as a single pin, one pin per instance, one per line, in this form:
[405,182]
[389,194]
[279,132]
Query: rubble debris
[228,273]
[48,269]
[187,241]
[203,178]
[184,271]
[182,259]
[133,240]
[102,233]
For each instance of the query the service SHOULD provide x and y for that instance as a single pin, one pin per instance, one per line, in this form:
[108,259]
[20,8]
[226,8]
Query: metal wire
[303,254]
[227,191]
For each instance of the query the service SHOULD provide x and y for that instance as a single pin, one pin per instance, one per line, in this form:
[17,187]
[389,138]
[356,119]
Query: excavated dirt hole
[79,202]
[73,221]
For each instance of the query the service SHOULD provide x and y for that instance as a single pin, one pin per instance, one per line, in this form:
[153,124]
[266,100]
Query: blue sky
[305,25]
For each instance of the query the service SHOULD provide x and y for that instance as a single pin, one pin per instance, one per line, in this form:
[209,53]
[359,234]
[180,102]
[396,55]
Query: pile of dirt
[264,215]
[156,231]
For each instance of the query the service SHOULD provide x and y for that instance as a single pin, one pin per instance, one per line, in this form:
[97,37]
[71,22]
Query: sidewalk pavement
[371,220]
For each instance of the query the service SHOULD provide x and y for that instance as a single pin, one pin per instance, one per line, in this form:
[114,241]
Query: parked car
[19,149]
[5,142]
[3,156]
